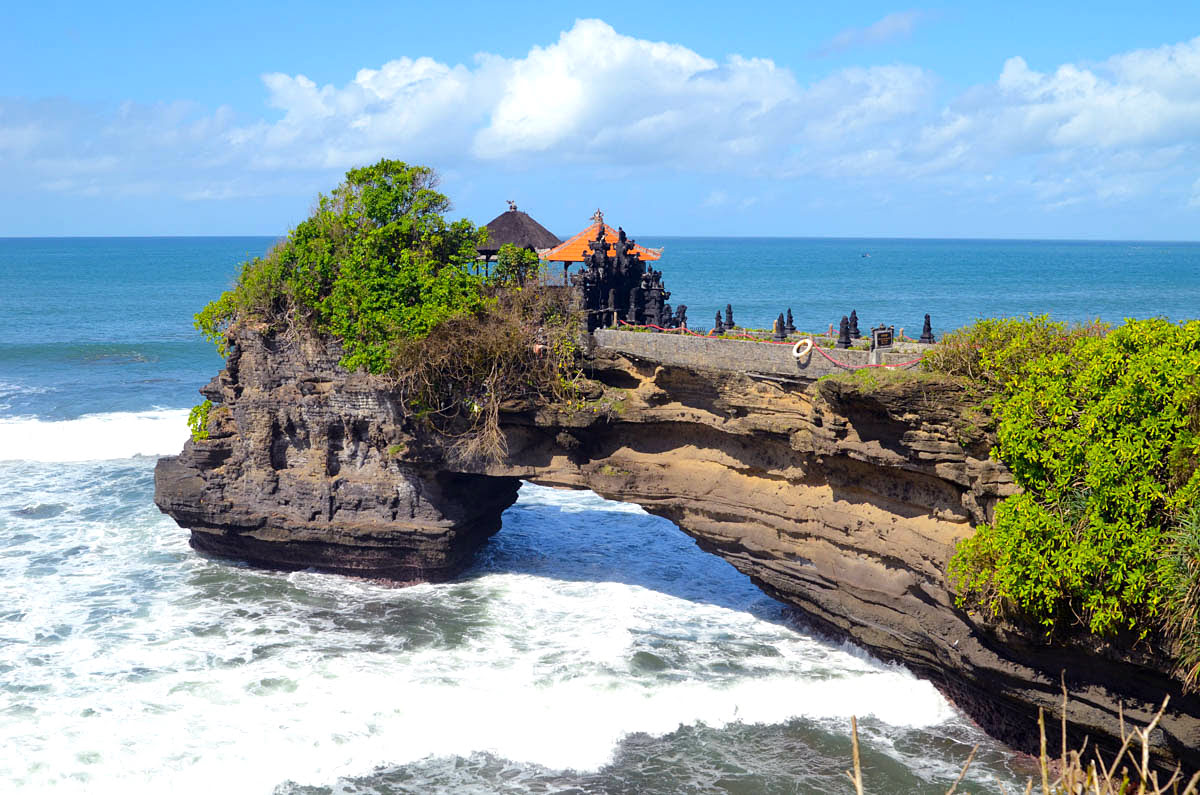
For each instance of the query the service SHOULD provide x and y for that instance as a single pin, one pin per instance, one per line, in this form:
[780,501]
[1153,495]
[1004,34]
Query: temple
[616,285]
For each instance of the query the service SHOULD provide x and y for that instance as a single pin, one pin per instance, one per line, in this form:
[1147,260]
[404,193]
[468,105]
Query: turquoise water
[91,325]
[591,648]
[955,281]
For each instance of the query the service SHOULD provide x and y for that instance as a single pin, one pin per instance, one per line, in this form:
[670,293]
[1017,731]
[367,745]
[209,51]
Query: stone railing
[748,356]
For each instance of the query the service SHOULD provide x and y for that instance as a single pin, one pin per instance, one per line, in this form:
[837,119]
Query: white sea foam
[8,390]
[136,666]
[217,713]
[93,437]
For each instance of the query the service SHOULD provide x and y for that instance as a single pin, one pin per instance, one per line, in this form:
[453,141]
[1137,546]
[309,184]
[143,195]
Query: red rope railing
[816,347]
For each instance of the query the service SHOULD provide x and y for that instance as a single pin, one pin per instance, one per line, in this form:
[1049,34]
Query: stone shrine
[619,286]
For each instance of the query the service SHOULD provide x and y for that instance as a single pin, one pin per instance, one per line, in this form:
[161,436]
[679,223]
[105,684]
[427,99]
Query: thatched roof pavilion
[519,229]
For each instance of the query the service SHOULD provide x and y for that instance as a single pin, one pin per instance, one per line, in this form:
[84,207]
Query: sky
[975,120]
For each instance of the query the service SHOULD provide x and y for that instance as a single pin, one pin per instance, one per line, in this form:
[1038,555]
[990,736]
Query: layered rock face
[302,470]
[840,499]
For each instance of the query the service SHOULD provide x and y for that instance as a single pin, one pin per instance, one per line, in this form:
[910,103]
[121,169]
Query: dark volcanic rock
[842,501]
[298,474]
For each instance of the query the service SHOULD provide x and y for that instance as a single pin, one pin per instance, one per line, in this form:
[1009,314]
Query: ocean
[590,648]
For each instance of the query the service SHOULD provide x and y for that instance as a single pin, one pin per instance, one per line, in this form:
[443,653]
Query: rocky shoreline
[841,500]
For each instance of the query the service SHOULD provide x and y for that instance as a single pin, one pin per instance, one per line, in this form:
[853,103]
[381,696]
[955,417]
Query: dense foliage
[1181,584]
[375,262]
[1102,430]
[514,265]
[378,268]
[990,354]
[521,347]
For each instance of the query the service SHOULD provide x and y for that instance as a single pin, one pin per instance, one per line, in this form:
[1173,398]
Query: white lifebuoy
[806,344]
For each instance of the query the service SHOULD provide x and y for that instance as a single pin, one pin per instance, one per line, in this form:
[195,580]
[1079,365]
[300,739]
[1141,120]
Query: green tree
[515,264]
[375,262]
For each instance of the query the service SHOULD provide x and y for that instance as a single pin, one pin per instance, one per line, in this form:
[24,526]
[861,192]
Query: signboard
[883,337]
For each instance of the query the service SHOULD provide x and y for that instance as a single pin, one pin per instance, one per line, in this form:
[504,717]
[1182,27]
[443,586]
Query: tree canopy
[376,261]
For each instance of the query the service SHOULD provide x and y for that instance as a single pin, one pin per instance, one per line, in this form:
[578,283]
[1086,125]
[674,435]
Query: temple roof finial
[512,205]
[598,216]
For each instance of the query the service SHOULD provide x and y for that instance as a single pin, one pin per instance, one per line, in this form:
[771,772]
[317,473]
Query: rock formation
[840,499]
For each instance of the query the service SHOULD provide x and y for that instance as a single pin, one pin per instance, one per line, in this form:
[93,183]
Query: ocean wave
[9,388]
[94,437]
[160,669]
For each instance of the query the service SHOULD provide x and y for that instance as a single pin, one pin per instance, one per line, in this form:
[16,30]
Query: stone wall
[746,356]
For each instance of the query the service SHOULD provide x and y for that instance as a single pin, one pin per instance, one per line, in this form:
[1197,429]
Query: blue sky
[854,119]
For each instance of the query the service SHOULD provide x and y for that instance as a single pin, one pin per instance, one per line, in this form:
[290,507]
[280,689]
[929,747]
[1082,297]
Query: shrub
[991,353]
[1181,580]
[378,268]
[522,346]
[1101,432]
[375,261]
[515,264]
[198,420]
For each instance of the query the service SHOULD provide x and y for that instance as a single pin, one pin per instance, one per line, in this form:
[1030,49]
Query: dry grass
[1181,575]
[524,347]
[1130,772]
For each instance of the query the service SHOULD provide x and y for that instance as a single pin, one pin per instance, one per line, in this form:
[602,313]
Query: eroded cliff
[840,499]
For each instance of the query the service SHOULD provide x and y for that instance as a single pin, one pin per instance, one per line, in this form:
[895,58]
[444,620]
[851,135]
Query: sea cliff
[841,497]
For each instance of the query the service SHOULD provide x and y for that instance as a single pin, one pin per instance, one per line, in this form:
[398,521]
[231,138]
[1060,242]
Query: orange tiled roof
[576,249]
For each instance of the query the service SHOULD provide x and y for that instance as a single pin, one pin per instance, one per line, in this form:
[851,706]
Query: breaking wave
[94,437]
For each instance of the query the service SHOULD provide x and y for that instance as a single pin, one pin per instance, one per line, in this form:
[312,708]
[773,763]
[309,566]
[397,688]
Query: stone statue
[729,324]
[854,332]
[926,332]
[779,334]
[654,305]
[843,340]
[622,249]
[718,326]
[636,307]
[789,326]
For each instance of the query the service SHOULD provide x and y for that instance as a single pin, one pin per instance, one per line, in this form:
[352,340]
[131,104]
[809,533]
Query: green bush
[991,353]
[378,268]
[375,261]
[522,348]
[1102,433]
[515,264]
[198,420]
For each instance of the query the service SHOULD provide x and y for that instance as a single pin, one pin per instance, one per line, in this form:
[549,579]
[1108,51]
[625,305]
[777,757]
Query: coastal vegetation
[198,420]
[1132,770]
[379,269]
[1101,428]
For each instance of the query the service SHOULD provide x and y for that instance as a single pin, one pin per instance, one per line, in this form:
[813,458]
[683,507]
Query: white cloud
[1107,132]
[419,104]
[598,95]
[1126,127]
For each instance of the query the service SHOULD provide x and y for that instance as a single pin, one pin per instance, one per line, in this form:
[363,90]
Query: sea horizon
[883,238]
